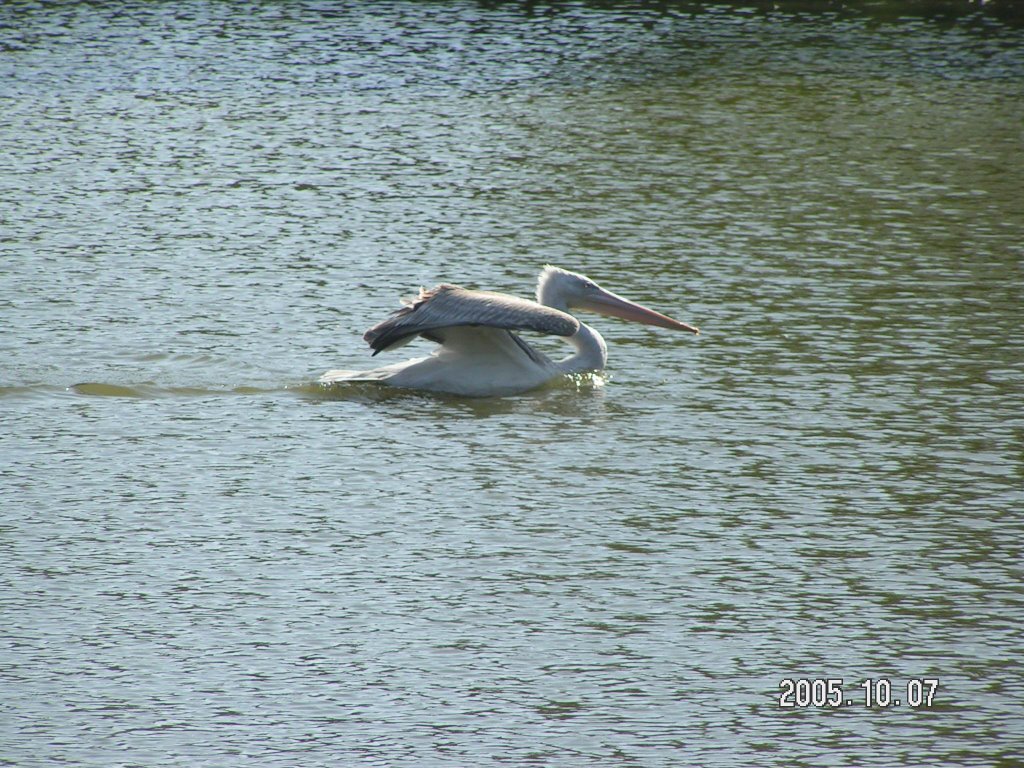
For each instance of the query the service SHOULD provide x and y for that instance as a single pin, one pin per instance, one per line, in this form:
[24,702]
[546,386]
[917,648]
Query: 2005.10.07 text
[880,692]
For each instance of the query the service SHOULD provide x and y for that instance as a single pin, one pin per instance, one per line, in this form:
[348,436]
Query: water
[211,561]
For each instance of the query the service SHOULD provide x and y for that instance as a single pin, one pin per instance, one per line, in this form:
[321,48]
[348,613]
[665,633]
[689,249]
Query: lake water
[210,560]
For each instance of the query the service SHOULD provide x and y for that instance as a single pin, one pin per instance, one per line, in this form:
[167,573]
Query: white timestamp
[879,692]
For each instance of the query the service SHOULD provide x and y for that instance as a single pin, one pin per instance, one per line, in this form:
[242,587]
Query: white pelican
[479,353]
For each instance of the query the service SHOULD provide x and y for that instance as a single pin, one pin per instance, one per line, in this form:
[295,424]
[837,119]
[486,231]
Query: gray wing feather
[449,305]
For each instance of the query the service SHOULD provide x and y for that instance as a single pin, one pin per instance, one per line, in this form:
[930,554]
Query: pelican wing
[449,306]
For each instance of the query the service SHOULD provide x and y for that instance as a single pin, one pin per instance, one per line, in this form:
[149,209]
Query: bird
[480,353]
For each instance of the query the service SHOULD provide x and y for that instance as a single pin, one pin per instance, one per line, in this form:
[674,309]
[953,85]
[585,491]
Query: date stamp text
[881,693]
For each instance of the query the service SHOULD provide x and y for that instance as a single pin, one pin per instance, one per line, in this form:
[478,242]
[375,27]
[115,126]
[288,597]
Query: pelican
[480,354]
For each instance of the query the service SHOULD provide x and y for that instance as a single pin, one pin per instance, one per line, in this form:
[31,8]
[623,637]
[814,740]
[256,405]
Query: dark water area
[210,559]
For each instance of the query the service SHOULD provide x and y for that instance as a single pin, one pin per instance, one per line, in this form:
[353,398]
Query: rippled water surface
[208,560]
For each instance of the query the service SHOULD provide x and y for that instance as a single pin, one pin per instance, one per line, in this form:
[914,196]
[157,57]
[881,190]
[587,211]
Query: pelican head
[565,290]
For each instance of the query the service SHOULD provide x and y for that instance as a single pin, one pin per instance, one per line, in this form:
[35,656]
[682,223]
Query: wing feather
[448,305]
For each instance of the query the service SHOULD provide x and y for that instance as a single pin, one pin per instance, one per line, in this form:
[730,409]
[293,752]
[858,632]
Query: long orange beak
[607,303]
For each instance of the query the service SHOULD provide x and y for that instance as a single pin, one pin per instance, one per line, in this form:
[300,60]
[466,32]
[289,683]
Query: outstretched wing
[448,306]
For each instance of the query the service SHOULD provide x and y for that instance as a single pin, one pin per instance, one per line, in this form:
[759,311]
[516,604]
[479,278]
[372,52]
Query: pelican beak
[607,303]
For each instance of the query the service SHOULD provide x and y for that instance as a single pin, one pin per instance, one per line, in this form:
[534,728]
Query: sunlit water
[210,560]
